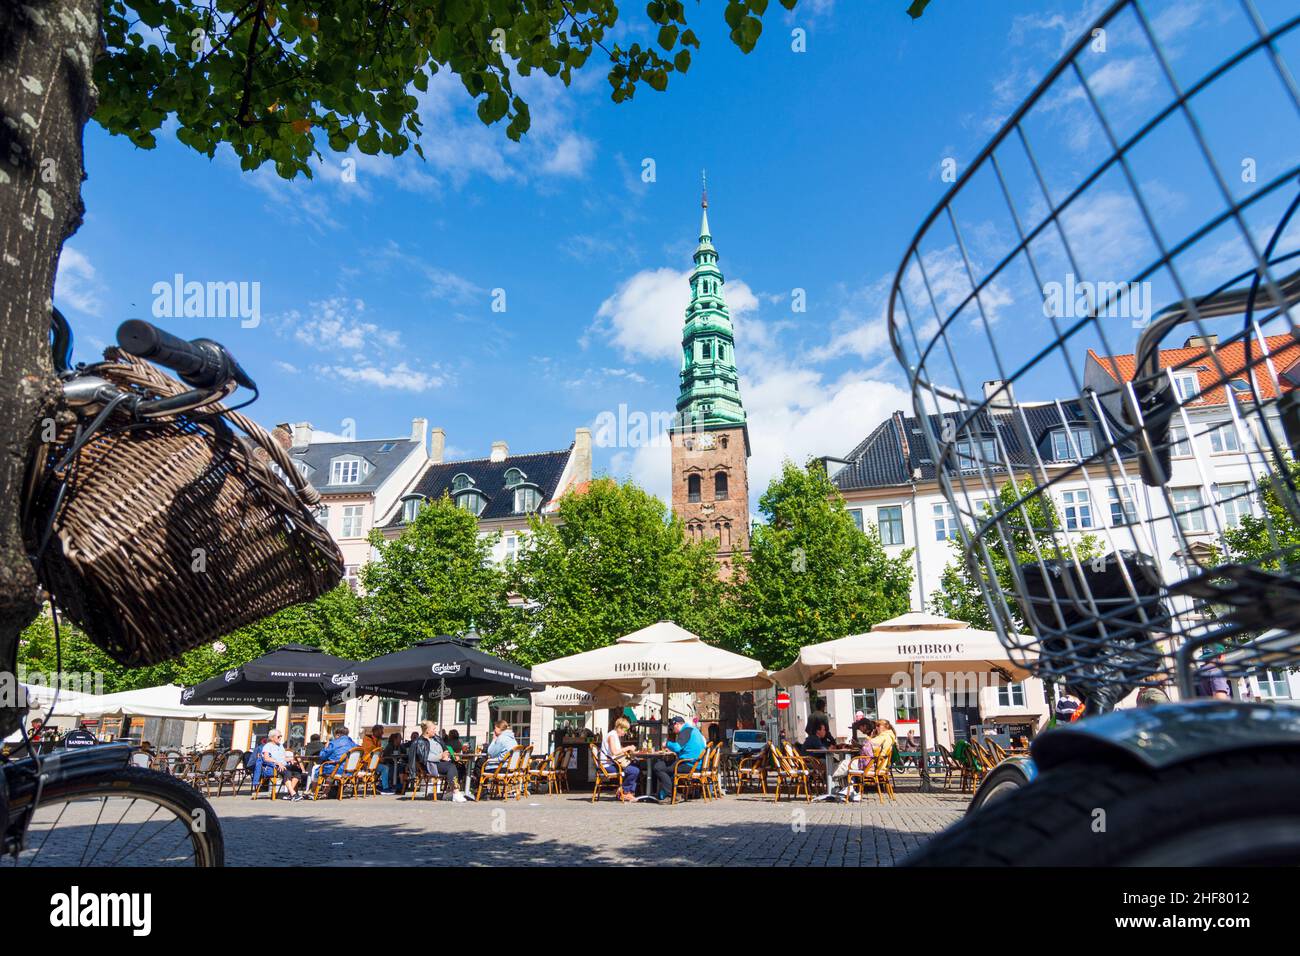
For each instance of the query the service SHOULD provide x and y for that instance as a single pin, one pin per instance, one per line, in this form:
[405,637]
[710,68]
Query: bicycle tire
[1227,809]
[184,802]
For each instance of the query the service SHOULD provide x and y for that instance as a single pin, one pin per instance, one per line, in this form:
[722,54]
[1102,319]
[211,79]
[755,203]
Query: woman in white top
[611,750]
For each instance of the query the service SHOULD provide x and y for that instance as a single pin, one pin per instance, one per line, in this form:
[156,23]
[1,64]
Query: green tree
[435,578]
[615,561]
[812,576]
[277,81]
[1033,530]
[1270,540]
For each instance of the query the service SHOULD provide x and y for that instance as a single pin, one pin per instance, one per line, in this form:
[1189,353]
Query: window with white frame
[388,710]
[1189,506]
[466,710]
[866,699]
[1224,439]
[1011,695]
[945,522]
[527,500]
[1274,685]
[905,704]
[411,508]
[1179,445]
[1078,509]
[1123,510]
[889,519]
[345,471]
[323,516]
[1235,498]
[1071,444]
[352,515]
[512,546]
[975,454]
[352,576]
[513,477]
[1187,384]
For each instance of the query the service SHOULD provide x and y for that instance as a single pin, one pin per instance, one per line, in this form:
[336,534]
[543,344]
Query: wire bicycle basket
[1099,328]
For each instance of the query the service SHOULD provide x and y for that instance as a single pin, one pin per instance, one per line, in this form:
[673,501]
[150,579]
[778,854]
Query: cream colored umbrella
[570,698]
[901,651]
[894,647]
[654,660]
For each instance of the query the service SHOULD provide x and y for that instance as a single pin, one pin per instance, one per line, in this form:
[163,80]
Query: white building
[889,485]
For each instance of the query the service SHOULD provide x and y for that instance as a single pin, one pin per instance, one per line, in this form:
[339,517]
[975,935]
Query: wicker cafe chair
[545,771]
[815,769]
[792,771]
[199,775]
[270,776]
[713,770]
[510,776]
[604,778]
[341,775]
[231,771]
[877,770]
[367,776]
[689,775]
[999,754]
[421,780]
[754,767]
[950,766]
[562,758]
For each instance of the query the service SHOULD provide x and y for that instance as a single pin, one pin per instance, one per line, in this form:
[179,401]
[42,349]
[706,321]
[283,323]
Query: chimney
[420,430]
[437,444]
[500,450]
[301,434]
[999,395]
[283,435]
[1201,342]
[582,455]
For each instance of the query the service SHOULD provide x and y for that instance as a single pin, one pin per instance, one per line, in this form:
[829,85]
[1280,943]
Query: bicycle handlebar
[201,363]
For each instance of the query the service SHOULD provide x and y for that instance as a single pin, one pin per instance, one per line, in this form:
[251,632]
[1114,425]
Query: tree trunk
[47,93]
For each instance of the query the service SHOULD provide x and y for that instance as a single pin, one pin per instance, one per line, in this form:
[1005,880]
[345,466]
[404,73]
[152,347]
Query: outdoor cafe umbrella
[570,698]
[653,660]
[902,649]
[439,668]
[288,675]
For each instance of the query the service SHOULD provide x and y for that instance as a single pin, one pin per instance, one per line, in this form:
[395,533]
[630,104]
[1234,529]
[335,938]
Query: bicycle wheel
[1231,809]
[126,817]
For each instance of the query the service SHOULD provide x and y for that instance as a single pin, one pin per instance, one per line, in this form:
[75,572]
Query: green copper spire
[710,390]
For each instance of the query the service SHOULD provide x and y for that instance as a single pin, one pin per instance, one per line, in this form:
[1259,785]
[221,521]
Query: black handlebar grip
[199,364]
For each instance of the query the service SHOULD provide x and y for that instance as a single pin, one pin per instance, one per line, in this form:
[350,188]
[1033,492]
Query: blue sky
[376,295]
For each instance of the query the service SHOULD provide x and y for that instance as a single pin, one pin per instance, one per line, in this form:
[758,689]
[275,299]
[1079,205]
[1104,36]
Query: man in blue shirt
[688,746]
[331,753]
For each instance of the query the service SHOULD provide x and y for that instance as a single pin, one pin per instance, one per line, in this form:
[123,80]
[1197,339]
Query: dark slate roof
[383,463]
[898,448]
[542,469]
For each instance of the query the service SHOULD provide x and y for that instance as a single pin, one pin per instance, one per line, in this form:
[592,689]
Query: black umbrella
[440,667]
[292,674]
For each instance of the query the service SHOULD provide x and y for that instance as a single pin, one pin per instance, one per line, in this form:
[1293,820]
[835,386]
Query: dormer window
[472,501]
[346,471]
[976,453]
[1072,444]
[411,506]
[514,477]
[527,499]
[1187,385]
[461,482]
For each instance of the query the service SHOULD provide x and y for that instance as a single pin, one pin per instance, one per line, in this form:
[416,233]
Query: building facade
[710,435]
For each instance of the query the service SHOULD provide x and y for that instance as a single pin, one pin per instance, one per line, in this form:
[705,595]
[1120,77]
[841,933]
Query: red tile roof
[1283,351]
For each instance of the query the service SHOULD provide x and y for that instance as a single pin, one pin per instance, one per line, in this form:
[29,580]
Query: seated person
[819,736]
[314,745]
[331,753]
[275,757]
[371,742]
[689,745]
[503,741]
[453,742]
[429,756]
[614,754]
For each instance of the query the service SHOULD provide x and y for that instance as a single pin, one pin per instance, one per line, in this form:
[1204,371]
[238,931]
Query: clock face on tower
[706,441]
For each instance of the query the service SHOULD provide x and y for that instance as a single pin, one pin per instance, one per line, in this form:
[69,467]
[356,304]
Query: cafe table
[828,755]
[649,756]
[469,761]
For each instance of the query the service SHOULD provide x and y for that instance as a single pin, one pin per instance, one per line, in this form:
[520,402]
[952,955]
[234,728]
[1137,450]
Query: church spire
[704,205]
[710,389]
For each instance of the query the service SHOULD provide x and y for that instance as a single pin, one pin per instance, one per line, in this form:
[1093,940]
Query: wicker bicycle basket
[175,531]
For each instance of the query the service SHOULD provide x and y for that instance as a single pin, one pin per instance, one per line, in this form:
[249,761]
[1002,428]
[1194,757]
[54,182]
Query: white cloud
[643,318]
[76,285]
[336,324]
[400,377]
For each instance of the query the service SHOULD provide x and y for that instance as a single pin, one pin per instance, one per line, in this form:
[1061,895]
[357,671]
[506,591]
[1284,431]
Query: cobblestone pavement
[569,830]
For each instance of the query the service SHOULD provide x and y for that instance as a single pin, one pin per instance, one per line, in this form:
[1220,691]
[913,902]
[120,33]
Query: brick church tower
[710,437]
